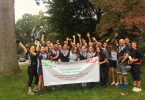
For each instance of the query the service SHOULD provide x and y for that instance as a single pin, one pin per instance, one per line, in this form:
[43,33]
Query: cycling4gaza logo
[92,60]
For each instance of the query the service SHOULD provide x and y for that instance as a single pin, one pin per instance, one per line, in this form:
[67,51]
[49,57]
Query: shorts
[121,69]
[40,71]
[40,77]
[113,63]
[135,71]
[109,62]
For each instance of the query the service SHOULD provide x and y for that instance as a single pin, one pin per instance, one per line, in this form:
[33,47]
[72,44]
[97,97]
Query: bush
[141,46]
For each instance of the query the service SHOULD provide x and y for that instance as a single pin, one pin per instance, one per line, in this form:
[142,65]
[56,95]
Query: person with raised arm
[66,40]
[89,38]
[74,39]
[73,42]
[42,38]
[32,67]
[80,40]
[95,42]
[43,55]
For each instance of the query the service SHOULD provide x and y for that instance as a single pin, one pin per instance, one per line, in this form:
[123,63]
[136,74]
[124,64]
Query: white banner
[59,73]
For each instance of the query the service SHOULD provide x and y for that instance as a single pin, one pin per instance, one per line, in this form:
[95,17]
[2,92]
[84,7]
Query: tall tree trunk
[8,51]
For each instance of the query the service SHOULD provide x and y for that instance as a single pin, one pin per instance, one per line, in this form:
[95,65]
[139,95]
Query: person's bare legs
[40,85]
[112,75]
[138,84]
[120,78]
[118,75]
[125,79]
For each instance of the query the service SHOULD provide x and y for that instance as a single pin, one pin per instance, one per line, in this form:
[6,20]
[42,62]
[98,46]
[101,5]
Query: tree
[123,16]
[30,27]
[8,54]
[71,16]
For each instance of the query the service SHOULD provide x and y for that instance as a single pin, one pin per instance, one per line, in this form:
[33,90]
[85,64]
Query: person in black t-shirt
[135,62]
[32,67]
[103,66]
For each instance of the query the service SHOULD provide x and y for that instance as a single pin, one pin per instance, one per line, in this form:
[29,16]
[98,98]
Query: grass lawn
[14,87]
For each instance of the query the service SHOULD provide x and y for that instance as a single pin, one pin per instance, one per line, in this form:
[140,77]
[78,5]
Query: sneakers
[119,85]
[125,86]
[30,92]
[40,93]
[113,83]
[35,89]
[136,89]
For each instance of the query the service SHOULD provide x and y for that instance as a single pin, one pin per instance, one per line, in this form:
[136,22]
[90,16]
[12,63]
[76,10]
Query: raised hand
[115,35]
[67,38]
[107,40]
[38,43]
[88,34]
[93,38]
[73,36]
[79,35]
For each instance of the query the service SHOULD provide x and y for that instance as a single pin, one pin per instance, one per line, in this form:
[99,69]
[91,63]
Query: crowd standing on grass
[117,57]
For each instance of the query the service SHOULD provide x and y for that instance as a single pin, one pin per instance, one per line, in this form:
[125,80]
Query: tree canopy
[123,16]
[30,27]
[72,16]
[96,16]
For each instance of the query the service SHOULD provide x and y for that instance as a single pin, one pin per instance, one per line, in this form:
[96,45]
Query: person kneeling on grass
[43,55]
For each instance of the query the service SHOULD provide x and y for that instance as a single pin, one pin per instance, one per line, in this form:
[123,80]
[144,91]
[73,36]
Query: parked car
[21,58]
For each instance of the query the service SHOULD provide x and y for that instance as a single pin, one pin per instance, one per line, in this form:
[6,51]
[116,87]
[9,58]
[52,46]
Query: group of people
[117,57]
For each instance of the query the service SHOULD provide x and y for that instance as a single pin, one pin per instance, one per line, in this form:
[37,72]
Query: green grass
[14,87]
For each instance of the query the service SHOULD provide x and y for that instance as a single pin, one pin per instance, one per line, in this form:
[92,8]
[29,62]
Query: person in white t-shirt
[113,63]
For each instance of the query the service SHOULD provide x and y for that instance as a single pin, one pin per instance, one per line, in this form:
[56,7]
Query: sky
[26,6]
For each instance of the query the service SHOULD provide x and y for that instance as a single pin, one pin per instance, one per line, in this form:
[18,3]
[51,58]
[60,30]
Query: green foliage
[52,37]
[115,11]
[141,46]
[30,27]
[71,16]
